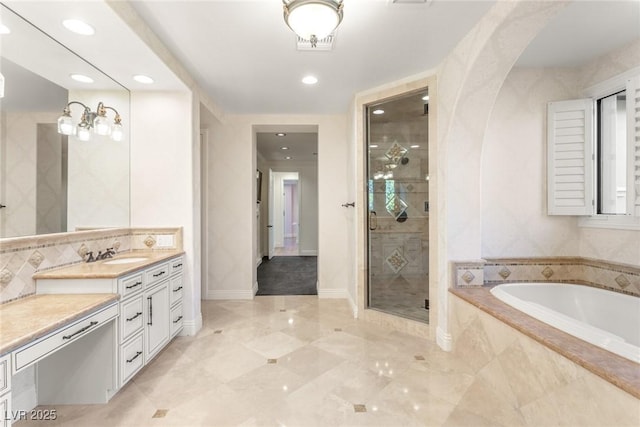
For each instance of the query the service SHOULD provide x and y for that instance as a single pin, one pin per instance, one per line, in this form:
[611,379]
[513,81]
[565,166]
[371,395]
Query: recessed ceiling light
[288,158]
[140,78]
[378,112]
[284,148]
[425,98]
[81,78]
[281,134]
[79,27]
[309,80]
[4,29]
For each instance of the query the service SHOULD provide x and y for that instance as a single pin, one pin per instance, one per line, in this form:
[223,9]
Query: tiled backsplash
[617,277]
[21,257]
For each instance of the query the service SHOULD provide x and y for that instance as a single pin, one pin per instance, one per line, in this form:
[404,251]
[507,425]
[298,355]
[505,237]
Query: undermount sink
[125,260]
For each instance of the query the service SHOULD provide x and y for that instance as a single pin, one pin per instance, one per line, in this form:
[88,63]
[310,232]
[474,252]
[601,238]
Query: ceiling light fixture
[309,80]
[378,112]
[281,134]
[79,27]
[96,121]
[284,148]
[141,78]
[288,158]
[313,19]
[81,78]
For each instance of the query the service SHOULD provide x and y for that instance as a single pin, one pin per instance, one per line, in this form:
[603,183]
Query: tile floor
[290,361]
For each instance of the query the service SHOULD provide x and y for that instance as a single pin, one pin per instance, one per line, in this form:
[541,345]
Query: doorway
[288,210]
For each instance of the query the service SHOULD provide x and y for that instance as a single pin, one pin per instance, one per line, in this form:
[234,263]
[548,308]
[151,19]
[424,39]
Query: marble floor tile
[327,369]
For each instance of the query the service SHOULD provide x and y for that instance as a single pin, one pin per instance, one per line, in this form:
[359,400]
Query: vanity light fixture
[313,20]
[91,121]
[141,78]
[79,27]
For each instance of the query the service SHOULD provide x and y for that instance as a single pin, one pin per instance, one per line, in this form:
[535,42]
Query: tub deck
[615,369]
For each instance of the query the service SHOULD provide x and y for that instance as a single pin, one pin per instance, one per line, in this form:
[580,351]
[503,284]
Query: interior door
[272,242]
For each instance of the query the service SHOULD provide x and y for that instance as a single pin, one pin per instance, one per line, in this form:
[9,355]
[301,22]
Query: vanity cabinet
[5,390]
[150,309]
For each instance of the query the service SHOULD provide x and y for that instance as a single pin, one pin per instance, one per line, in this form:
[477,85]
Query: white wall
[232,217]
[163,154]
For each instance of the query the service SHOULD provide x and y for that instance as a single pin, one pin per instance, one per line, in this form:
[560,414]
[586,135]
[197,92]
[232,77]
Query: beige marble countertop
[30,318]
[100,270]
[619,371]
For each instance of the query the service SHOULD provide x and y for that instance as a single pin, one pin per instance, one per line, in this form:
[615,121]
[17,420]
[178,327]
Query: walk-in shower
[398,205]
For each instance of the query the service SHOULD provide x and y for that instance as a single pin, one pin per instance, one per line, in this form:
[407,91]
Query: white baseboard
[333,293]
[444,339]
[255,289]
[258,261]
[354,305]
[309,252]
[191,327]
[217,294]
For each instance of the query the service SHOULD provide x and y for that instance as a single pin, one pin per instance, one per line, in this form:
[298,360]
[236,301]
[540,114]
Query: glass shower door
[398,206]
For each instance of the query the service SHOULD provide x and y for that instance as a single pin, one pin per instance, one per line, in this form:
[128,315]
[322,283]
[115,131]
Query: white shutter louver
[633,136]
[570,157]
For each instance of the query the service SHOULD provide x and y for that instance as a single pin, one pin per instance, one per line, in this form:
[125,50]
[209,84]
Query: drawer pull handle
[177,265]
[159,274]
[134,357]
[134,285]
[178,319]
[138,314]
[177,289]
[91,325]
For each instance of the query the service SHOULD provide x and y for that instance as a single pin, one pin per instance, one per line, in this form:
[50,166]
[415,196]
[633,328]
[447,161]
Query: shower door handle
[373,220]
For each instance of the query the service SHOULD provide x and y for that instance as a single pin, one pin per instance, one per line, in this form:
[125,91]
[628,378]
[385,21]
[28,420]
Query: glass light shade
[83,133]
[65,125]
[116,132]
[313,19]
[101,125]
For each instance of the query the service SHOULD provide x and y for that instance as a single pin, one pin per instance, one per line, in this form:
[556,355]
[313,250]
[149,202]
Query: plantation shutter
[570,157]
[633,138]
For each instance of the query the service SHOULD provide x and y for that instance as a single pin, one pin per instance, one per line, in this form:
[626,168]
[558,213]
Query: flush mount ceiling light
[313,19]
[309,80]
[90,121]
[79,27]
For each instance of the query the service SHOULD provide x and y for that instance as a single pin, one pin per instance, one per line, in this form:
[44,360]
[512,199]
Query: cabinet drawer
[175,265]
[29,354]
[175,286]
[176,320]
[131,318]
[5,374]
[130,285]
[157,273]
[131,358]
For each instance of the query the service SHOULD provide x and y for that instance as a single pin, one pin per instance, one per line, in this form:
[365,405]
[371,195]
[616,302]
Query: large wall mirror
[50,182]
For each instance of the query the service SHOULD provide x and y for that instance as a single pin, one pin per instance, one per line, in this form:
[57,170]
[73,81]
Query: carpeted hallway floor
[288,275]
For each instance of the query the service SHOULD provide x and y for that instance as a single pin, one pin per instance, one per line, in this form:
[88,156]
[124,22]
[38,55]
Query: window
[593,155]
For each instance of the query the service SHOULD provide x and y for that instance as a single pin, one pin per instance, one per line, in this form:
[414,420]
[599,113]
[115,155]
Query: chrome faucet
[108,253]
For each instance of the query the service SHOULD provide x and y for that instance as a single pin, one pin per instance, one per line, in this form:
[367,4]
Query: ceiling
[244,56]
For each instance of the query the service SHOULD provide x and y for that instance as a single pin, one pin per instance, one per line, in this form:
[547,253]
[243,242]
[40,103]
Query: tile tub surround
[21,257]
[30,318]
[617,277]
[612,368]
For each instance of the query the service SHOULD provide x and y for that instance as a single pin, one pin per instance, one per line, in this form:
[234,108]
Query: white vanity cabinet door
[131,318]
[131,358]
[156,301]
[176,320]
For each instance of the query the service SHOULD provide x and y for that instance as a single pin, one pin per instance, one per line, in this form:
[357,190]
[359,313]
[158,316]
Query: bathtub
[607,319]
